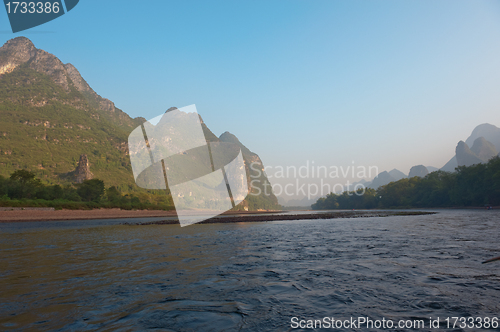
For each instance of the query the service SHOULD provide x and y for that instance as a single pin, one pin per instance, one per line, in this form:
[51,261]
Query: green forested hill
[49,116]
[45,129]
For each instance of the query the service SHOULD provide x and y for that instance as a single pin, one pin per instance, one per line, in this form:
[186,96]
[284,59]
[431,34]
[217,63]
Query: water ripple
[248,276]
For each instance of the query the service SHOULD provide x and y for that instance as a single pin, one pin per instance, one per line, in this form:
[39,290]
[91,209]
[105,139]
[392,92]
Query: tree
[113,194]
[25,177]
[23,184]
[91,190]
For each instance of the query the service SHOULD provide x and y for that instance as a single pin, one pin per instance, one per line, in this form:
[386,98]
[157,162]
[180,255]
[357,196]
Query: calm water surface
[248,277]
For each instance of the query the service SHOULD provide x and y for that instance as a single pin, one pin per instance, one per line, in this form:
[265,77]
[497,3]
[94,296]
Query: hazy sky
[386,83]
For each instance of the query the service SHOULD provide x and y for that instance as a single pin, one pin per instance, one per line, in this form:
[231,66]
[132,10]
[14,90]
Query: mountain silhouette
[480,146]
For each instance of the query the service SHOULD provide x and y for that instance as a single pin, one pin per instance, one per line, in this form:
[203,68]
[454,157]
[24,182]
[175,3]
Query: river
[79,276]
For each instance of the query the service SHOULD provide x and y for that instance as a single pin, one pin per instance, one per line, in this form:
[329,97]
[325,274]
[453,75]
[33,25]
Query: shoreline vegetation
[24,190]
[469,186]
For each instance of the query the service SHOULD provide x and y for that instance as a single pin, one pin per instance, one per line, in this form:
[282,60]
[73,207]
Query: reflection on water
[248,277]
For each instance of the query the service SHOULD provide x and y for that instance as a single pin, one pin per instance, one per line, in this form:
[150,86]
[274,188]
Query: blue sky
[387,83]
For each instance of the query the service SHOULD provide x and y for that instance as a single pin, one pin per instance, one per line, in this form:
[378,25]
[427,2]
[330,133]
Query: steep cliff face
[15,52]
[20,50]
[256,177]
[82,171]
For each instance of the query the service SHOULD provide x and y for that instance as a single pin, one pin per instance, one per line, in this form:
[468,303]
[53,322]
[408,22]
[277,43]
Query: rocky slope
[21,51]
[256,176]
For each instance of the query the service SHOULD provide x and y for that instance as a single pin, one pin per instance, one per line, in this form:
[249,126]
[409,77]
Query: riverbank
[305,216]
[50,214]
[46,214]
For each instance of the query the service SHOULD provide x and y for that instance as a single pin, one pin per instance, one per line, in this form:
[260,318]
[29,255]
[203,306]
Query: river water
[249,276]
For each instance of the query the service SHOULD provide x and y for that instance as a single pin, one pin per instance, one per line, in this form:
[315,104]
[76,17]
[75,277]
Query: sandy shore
[46,215]
[49,214]
[302,216]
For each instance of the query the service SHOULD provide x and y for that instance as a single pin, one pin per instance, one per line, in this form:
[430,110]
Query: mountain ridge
[466,154]
[51,116]
[21,50]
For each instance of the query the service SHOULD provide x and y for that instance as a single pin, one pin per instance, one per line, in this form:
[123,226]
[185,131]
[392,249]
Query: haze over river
[248,276]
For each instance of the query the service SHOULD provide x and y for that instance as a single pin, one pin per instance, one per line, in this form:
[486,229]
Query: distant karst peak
[419,170]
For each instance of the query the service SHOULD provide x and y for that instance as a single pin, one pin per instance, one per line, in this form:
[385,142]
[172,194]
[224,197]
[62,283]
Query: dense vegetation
[477,185]
[45,129]
[23,189]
